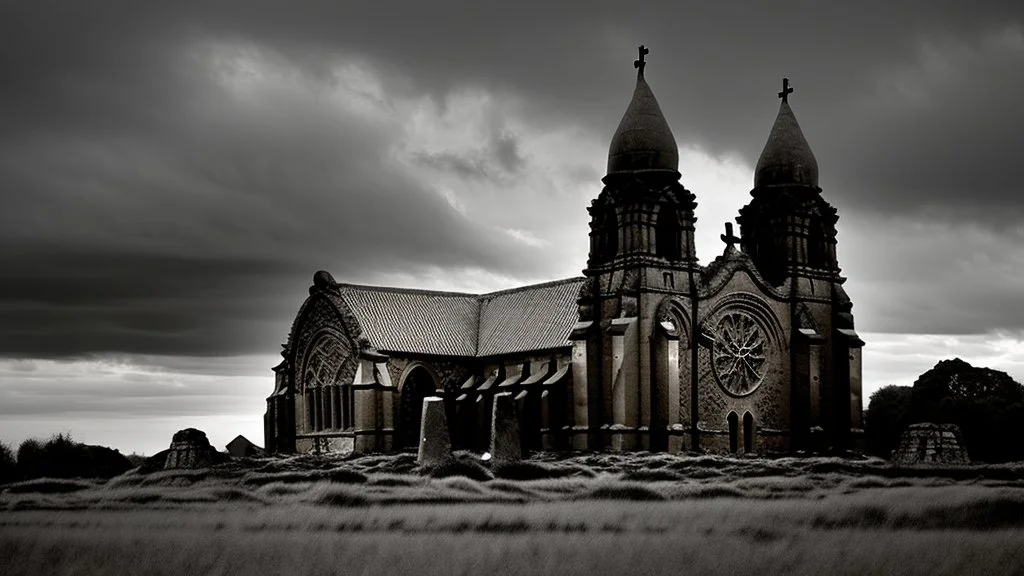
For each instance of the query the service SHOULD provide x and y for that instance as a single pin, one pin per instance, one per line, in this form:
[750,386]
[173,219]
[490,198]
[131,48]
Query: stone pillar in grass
[506,441]
[435,443]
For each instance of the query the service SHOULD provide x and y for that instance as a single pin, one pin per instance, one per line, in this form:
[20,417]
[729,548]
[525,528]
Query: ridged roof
[530,318]
[643,140]
[398,320]
[787,158]
[536,317]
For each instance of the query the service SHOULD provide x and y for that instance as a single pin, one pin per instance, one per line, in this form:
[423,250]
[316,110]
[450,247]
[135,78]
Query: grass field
[639,514]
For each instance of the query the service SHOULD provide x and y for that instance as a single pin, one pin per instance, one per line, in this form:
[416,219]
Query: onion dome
[643,141]
[787,159]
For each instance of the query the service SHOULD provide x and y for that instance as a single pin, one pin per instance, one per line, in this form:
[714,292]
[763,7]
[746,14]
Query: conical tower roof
[787,159]
[643,141]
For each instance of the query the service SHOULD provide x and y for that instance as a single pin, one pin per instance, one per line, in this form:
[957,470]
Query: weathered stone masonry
[649,350]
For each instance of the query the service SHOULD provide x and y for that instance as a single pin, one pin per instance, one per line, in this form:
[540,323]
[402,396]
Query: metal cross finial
[640,62]
[729,238]
[786,90]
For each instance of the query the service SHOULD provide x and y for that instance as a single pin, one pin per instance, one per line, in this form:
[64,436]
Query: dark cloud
[150,209]
[449,162]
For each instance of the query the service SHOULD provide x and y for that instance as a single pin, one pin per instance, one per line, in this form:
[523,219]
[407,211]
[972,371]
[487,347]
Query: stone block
[435,442]
[506,440]
[676,439]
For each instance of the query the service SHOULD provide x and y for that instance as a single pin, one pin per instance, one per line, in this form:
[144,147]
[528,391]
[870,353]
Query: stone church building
[648,350]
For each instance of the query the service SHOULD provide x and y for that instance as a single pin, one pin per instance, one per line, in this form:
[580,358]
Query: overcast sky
[172,173]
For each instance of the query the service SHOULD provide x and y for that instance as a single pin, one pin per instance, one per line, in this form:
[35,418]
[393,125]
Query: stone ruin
[435,448]
[191,449]
[928,443]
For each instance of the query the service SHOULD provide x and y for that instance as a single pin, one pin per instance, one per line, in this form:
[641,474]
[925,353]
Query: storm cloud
[172,173]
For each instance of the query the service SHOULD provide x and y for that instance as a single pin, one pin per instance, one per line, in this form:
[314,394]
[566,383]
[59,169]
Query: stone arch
[325,372]
[755,307]
[418,381]
[734,432]
[675,309]
[748,432]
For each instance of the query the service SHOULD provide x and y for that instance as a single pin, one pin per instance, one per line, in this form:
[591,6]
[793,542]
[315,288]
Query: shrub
[62,457]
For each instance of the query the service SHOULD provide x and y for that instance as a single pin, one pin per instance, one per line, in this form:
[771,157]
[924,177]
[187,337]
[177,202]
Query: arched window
[347,416]
[815,244]
[666,233]
[748,433]
[734,432]
[609,239]
[310,419]
[328,365]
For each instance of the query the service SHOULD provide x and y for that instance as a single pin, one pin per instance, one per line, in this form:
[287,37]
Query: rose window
[738,353]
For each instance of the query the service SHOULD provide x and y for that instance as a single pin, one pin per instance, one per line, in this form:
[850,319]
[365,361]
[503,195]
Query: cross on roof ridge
[729,238]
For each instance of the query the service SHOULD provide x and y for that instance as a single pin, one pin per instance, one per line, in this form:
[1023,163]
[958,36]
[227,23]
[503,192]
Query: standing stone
[435,443]
[506,442]
[190,448]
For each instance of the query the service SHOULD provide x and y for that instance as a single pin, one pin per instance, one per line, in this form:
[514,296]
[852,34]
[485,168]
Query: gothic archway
[734,433]
[418,384]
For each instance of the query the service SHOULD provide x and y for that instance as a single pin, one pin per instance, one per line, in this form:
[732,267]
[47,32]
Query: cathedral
[648,350]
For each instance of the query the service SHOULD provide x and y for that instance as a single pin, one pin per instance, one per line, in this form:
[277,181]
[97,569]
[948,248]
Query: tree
[8,464]
[30,459]
[987,405]
[885,419]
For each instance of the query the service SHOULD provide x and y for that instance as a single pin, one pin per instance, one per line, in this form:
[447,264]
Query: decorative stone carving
[323,362]
[324,281]
[738,353]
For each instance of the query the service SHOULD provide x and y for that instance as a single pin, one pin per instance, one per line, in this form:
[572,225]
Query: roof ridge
[483,295]
[531,286]
[400,290]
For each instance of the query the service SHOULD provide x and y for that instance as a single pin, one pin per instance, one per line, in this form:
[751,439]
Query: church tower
[789,231]
[641,248]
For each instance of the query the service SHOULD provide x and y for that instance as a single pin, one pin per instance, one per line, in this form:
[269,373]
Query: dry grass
[607,514]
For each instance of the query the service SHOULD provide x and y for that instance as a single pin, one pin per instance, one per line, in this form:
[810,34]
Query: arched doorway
[734,432]
[418,385]
[748,433]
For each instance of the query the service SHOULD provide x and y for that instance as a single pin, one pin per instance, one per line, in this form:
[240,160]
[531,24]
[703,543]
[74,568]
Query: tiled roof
[397,320]
[530,318]
[536,317]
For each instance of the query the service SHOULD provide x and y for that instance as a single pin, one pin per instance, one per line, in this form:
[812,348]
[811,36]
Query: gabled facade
[755,352]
